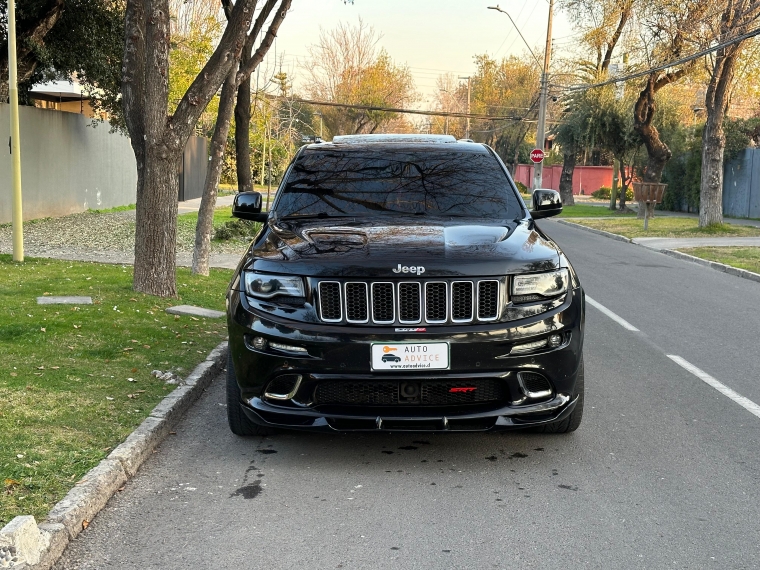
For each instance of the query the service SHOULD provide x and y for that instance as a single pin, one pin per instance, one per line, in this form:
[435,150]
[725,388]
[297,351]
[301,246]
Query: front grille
[447,393]
[409,302]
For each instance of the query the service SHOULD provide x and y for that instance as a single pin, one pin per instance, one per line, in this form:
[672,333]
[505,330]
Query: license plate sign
[410,356]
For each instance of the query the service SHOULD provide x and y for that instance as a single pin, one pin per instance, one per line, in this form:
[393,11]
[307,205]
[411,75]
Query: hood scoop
[335,239]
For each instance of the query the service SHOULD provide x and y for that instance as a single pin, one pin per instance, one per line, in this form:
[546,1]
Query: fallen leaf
[133,299]
[43,329]
[71,347]
[85,524]
[139,391]
[193,318]
[133,340]
[55,367]
[46,293]
[14,374]
[40,368]
[134,370]
[146,346]
[77,326]
[11,482]
[109,398]
[128,348]
[170,433]
[120,489]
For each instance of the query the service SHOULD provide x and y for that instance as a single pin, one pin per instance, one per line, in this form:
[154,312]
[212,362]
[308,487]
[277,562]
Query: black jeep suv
[399,283]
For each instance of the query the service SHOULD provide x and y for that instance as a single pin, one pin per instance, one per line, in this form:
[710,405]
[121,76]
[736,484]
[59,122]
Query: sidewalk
[587,201]
[680,243]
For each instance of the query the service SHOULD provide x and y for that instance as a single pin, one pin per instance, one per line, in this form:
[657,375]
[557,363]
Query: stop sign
[537,155]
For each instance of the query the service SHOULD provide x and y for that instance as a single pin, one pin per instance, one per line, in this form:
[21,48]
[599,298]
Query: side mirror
[546,203]
[247,206]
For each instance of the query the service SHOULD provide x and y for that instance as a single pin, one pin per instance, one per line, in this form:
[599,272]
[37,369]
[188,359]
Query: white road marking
[745,403]
[619,320]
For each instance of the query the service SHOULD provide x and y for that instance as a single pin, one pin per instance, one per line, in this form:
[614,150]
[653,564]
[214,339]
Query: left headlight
[266,286]
[539,286]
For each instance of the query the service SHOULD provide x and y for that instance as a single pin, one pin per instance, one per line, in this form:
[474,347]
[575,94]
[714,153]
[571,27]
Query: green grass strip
[66,398]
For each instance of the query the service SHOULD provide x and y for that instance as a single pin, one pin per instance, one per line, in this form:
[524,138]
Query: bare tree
[158,139]
[669,31]
[238,76]
[735,21]
[347,67]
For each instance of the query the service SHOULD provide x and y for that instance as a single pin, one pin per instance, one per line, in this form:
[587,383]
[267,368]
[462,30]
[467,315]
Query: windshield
[366,181]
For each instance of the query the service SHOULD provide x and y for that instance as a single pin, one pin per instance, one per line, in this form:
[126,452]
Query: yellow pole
[18,227]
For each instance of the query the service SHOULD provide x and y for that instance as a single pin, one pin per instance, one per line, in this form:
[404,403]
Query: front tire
[573,421]
[238,421]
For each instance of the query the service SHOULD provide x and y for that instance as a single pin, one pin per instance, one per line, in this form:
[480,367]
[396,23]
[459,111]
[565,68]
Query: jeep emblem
[418,270]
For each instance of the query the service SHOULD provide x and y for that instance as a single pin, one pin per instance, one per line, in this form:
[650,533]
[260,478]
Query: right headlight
[536,287]
[267,286]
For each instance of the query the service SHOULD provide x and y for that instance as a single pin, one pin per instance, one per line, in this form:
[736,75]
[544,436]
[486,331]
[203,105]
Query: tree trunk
[205,225]
[714,139]
[658,153]
[243,136]
[566,178]
[156,223]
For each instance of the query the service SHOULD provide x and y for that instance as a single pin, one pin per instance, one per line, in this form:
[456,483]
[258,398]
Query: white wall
[67,166]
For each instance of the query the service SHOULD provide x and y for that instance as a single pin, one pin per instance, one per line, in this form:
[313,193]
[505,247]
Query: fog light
[528,347]
[287,348]
[555,340]
[259,343]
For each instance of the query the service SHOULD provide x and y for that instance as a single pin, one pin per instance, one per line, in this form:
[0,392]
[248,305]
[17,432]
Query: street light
[538,169]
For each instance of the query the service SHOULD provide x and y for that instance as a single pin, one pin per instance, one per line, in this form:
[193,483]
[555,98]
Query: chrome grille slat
[330,302]
[462,301]
[357,302]
[383,303]
[410,302]
[488,300]
[436,302]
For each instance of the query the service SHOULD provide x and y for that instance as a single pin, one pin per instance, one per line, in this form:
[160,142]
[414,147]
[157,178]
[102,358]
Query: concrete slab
[195,312]
[65,300]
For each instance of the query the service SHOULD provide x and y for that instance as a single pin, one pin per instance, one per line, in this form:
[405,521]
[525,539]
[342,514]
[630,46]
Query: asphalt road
[663,473]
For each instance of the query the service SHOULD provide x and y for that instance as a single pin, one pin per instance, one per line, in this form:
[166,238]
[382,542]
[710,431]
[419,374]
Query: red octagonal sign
[537,155]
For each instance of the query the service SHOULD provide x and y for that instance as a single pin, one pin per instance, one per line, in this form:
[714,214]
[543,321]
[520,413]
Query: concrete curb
[743,273]
[38,547]
[722,267]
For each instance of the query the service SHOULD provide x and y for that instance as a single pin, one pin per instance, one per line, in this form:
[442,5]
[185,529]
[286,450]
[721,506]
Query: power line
[412,111]
[664,66]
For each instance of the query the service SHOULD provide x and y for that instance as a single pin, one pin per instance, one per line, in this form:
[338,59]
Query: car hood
[375,248]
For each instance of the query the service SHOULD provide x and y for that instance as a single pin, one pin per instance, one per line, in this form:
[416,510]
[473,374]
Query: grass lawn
[664,226]
[76,380]
[742,257]
[586,211]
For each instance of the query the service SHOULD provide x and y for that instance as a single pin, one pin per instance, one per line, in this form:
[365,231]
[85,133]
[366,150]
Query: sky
[432,37]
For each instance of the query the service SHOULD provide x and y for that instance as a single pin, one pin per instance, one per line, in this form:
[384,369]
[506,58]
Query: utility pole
[538,170]
[469,85]
[15,142]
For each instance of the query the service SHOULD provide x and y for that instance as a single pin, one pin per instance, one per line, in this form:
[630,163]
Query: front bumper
[342,354]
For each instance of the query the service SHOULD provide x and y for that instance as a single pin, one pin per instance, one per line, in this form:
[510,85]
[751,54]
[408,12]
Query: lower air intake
[534,385]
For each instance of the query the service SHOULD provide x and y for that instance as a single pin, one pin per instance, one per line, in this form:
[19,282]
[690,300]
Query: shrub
[605,192]
[522,188]
[241,229]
